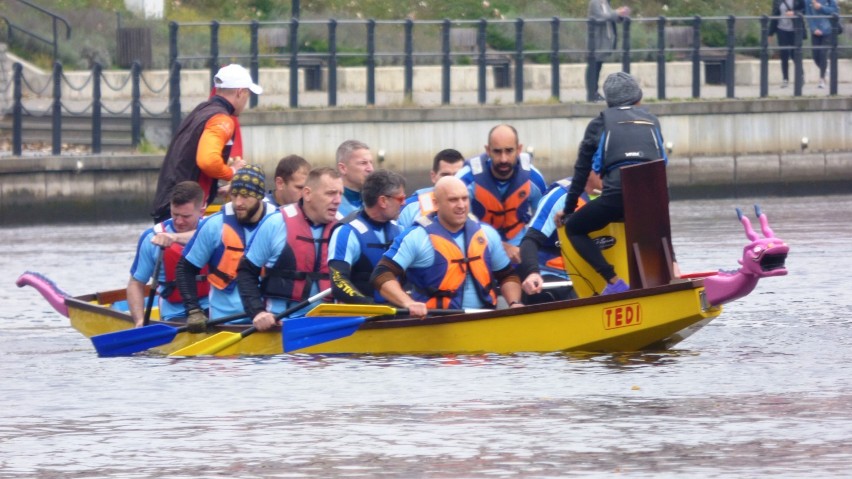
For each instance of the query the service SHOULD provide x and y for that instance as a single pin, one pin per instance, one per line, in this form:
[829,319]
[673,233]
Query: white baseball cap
[235,76]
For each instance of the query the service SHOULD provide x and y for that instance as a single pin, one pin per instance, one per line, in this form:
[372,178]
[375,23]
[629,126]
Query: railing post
[174,97]
[696,57]
[832,69]
[135,105]
[625,54]
[480,43]
[57,108]
[294,62]
[17,109]
[554,58]
[798,69]
[371,62]
[519,60]
[254,64]
[173,43]
[332,62]
[214,50]
[661,58]
[55,41]
[409,60]
[729,63]
[96,107]
[591,67]
[764,56]
[446,62]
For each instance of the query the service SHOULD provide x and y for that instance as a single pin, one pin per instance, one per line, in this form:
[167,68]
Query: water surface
[761,391]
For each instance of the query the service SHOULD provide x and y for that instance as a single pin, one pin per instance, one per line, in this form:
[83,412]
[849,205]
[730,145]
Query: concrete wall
[104,188]
[411,136]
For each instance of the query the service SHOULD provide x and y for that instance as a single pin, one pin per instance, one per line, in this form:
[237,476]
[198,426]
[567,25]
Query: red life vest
[171,256]
[302,262]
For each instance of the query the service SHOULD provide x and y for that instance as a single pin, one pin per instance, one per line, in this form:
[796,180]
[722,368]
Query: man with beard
[354,163]
[504,187]
[292,249]
[450,260]
[219,244]
[166,239]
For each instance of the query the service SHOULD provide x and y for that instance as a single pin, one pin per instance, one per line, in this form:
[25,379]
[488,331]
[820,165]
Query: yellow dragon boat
[659,311]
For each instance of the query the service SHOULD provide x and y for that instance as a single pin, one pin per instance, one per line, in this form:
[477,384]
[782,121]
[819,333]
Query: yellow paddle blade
[209,346]
[366,310]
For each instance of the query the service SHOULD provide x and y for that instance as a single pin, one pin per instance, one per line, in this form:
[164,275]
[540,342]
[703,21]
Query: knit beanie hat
[249,181]
[621,89]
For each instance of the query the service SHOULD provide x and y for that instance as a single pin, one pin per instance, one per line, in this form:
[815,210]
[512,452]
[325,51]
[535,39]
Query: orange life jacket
[509,212]
[440,285]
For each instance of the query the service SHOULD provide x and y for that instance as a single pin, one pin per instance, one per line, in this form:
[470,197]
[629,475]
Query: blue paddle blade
[304,332]
[129,341]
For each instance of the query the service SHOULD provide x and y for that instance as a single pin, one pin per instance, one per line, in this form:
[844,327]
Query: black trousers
[596,214]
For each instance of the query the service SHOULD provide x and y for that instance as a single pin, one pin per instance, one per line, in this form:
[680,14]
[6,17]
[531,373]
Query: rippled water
[761,391]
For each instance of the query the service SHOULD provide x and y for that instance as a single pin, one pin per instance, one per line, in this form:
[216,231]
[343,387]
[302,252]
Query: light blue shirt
[543,221]
[143,269]
[345,246]
[265,248]
[349,202]
[411,211]
[414,249]
[199,252]
[537,187]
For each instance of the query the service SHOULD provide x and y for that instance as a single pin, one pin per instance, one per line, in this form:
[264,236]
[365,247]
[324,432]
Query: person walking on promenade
[354,162]
[784,30]
[200,150]
[622,135]
[603,23]
[821,32]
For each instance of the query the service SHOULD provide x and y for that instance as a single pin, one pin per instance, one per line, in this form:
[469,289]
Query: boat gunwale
[85,302]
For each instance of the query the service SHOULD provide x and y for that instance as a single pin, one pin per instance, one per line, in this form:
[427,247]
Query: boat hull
[654,318]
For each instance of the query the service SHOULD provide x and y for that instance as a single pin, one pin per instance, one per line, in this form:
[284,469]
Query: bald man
[451,260]
[504,187]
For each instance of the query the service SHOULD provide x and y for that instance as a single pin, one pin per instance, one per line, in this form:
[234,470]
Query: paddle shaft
[218,342]
[290,310]
[155,281]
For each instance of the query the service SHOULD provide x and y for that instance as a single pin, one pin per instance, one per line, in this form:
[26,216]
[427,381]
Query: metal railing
[447,55]
[515,56]
[11,28]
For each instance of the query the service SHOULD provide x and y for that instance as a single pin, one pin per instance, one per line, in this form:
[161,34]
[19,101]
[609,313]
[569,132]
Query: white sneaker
[821,84]
[784,84]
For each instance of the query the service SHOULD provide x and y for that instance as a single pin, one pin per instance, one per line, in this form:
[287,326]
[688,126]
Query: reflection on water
[760,391]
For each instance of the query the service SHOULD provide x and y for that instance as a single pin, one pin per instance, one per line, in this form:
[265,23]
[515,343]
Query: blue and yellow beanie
[249,181]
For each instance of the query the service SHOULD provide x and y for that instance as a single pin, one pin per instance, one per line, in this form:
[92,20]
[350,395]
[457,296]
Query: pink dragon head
[763,256]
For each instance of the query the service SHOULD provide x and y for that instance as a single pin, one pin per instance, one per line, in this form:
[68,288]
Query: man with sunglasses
[504,187]
[363,236]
